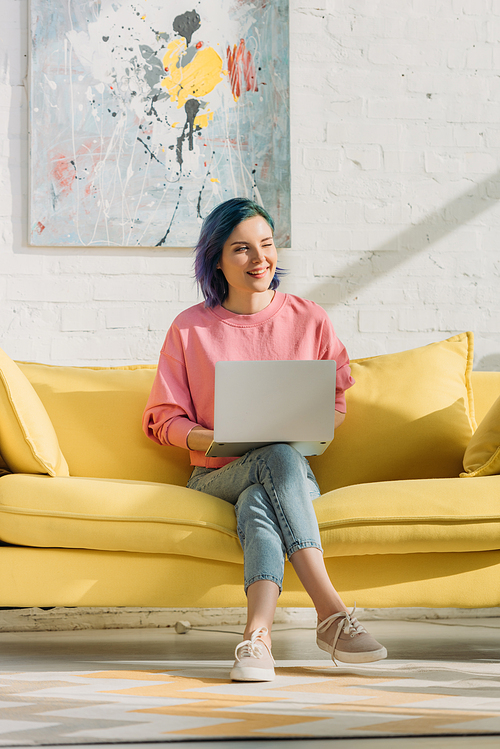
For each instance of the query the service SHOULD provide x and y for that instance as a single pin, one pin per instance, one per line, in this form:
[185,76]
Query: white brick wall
[395,108]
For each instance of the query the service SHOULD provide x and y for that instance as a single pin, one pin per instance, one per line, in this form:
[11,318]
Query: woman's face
[249,257]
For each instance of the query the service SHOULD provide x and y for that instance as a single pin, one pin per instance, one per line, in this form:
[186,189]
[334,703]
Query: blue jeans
[272,489]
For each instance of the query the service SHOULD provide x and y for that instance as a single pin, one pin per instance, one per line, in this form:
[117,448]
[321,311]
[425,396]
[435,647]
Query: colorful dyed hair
[215,230]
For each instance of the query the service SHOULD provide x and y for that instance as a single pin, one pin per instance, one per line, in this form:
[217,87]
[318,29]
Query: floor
[465,639]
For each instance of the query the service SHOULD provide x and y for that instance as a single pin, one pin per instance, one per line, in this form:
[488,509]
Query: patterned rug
[196,701]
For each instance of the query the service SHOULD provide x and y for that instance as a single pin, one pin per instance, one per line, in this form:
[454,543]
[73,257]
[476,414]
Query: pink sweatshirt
[182,395]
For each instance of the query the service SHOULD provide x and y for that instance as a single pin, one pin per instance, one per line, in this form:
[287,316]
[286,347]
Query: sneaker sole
[252,674]
[374,655]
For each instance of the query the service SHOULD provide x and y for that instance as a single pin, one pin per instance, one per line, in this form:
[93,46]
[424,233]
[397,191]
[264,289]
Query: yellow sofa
[92,513]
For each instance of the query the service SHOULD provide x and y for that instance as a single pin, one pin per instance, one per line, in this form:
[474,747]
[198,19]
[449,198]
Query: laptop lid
[262,402]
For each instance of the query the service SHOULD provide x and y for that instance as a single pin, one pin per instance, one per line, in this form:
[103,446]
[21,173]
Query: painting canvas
[145,114]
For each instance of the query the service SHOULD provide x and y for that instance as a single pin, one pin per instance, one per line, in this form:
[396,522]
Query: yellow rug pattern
[197,701]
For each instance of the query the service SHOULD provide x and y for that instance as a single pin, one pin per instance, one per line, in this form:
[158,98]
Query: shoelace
[350,626]
[251,648]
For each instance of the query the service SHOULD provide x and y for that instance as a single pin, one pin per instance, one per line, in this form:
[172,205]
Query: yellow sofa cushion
[482,456]
[97,414]
[406,517]
[28,442]
[410,415]
[395,517]
[486,387]
[3,467]
[110,515]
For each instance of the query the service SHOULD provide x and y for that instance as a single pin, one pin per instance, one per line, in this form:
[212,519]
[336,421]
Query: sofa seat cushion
[404,517]
[396,517]
[114,515]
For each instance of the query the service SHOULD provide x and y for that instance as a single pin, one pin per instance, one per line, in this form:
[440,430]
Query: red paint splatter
[40,227]
[241,69]
[63,172]
[199,45]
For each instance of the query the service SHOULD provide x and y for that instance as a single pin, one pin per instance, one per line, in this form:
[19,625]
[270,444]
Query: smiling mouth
[259,272]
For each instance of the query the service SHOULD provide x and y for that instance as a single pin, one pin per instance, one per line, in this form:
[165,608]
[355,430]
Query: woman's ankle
[249,631]
[323,614]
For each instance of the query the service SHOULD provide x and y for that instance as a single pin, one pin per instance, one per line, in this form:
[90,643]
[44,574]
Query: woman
[271,488]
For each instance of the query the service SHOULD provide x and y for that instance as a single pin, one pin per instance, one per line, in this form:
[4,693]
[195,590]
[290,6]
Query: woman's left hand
[339,418]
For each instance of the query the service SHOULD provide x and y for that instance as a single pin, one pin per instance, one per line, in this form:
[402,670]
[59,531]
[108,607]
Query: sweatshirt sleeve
[170,415]
[333,348]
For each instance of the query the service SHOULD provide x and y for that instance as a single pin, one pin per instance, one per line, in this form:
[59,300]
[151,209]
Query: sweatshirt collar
[246,321]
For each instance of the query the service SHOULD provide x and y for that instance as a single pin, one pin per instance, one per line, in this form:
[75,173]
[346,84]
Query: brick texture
[395,123]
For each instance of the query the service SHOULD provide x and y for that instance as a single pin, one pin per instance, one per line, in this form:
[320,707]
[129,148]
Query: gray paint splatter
[191,107]
[186,24]
[153,68]
[164,238]
[188,56]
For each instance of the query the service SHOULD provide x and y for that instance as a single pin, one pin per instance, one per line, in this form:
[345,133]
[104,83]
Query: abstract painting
[145,114]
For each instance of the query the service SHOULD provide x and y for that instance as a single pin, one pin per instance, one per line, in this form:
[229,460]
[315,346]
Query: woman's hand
[339,418]
[200,439]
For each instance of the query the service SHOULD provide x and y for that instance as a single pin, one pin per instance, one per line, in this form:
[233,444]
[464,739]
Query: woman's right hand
[200,439]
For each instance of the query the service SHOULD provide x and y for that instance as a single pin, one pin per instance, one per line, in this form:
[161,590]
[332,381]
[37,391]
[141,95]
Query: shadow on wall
[459,211]
[490,363]
[478,199]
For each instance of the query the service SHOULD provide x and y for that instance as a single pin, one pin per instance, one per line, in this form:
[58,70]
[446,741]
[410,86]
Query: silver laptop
[258,403]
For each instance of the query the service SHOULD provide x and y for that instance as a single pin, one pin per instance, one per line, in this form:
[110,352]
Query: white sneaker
[254,661]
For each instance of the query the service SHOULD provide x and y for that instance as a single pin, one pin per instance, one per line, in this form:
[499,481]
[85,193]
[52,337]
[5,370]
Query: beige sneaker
[254,661]
[347,640]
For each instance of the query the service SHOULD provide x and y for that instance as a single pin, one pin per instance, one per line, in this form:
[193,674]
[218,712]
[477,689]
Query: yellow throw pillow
[482,456]
[410,415]
[97,414]
[28,442]
[3,467]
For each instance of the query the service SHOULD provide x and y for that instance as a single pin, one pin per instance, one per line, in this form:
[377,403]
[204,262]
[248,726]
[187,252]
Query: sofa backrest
[410,415]
[97,414]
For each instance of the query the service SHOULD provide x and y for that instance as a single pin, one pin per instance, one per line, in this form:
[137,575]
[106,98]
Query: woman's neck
[248,304]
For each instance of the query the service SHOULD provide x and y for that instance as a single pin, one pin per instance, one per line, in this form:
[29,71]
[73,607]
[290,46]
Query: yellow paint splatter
[214,179]
[202,119]
[196,79]
[174,51]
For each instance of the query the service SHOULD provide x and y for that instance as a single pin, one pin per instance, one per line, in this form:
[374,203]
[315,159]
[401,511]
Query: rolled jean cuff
[256,578]
[298,545]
